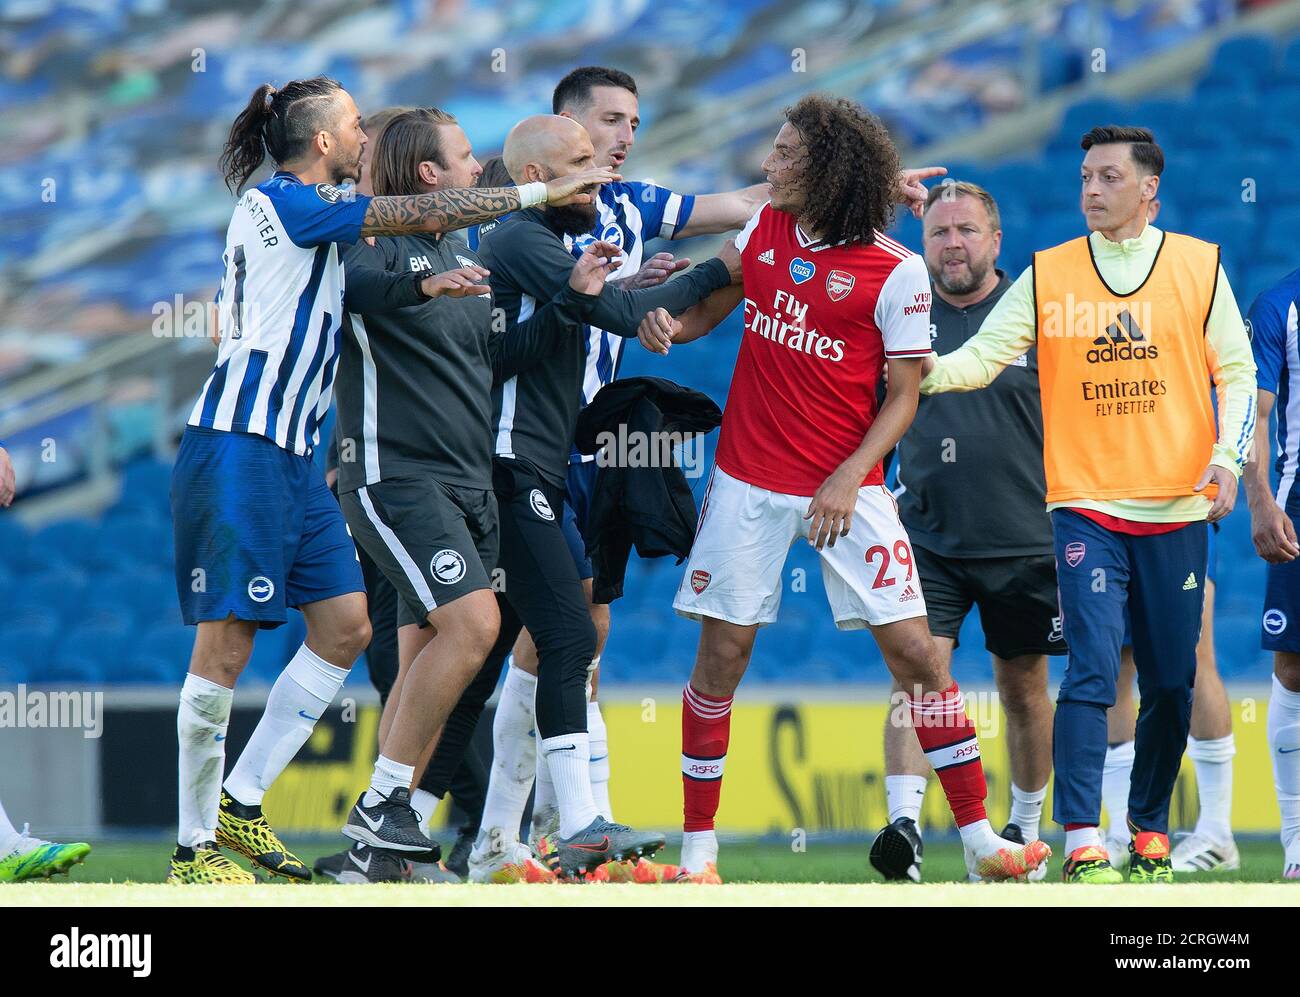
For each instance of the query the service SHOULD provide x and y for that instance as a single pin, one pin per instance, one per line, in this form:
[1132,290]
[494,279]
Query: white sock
[699,848]
[1213,763]
[1027,810]
[201,722]
[387,776]
[569,758]
[1284,745]
[598,738]
[425,803]
[514,759]
[980,837]
[1081,838]
[299,698]
[543,788]
[1115,778]
[9,835]
[904,795]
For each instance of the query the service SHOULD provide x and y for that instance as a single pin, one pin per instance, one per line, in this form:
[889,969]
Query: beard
[976,273]
[574,219]
[342,173]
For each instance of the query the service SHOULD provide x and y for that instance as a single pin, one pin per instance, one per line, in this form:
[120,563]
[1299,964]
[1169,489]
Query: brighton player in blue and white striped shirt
[256,528]
[1274,324]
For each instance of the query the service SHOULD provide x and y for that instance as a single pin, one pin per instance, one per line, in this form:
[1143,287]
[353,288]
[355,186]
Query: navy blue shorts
[579,487]
[256,530]
[1280,623]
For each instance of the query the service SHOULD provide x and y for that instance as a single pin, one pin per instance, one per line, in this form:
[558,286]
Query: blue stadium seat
[64,542]
[146,485]
[169,643]
[13,540]
[1081,117]
[142,669]
[124,543]
[89,653]
[271,651]
[1247,60]
[57,589]
[29,642]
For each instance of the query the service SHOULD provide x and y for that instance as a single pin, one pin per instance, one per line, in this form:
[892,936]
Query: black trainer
[331,865]
[391,823]
[1012,832]
[897,851]
[458,859]
[364,864]
[599,842]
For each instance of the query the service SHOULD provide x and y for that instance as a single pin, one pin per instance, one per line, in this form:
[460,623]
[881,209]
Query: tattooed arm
[461,207]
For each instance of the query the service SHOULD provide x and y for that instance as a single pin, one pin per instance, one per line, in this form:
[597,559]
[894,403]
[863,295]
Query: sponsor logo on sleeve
[328,192]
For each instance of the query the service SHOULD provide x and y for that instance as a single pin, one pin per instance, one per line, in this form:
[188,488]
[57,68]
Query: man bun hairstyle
[277,123]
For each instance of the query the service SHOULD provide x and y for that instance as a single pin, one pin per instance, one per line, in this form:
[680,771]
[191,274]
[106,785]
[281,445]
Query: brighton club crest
[838,284]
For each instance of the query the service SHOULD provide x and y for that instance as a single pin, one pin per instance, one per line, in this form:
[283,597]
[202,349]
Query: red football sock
[947,737]
[706,729]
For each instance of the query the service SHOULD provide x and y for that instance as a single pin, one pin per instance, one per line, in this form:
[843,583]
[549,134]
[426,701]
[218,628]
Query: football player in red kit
[829,303]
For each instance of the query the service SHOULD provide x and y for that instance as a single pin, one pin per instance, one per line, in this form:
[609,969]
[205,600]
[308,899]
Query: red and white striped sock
[706,731]
[948,739]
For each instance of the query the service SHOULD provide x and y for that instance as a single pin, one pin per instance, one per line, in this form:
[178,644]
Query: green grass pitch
[120,873]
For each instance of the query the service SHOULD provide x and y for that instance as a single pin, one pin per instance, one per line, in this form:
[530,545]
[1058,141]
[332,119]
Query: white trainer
[1198,853]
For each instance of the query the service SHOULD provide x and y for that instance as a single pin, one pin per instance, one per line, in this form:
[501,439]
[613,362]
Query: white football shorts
[745,532]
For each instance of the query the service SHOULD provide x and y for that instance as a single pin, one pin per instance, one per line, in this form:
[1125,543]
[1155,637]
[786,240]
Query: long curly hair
[851,173]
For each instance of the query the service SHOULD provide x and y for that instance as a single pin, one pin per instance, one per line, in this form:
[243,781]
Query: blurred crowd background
[112,219]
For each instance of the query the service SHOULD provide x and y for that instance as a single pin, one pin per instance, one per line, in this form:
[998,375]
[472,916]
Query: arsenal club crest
[838,284]
[1074,553]
[700,581]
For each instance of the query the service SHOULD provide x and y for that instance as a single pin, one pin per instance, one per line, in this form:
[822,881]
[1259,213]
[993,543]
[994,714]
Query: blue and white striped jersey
[1272,323]
[629,214]
[280,308]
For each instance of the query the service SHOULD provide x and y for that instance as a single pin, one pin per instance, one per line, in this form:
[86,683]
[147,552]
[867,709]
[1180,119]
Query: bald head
[546,146]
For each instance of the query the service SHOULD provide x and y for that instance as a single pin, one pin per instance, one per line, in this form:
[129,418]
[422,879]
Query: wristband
[531,194]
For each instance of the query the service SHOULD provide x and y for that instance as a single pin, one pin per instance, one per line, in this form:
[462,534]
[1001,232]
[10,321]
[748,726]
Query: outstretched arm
[715,213]
[537,337]
[461,207]
[659,331]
